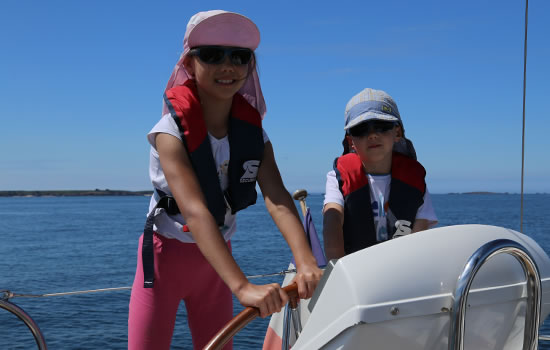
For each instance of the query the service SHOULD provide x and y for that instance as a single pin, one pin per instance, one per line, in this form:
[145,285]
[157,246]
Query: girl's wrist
[309,259]
[238,285]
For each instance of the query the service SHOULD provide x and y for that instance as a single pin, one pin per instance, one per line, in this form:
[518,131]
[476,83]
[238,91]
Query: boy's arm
[420,225]
[333,233]
[425,216]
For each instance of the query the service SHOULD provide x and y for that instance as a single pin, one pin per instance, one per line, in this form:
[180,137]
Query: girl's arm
[281,207]
[185,187]
[333,232]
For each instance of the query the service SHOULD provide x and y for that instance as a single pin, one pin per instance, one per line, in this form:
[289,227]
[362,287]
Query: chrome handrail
[474,263]
[23,316]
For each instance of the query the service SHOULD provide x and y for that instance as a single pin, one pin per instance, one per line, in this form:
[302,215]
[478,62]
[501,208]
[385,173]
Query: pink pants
[181,272]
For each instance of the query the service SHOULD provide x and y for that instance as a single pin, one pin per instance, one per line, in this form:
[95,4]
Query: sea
[65,244]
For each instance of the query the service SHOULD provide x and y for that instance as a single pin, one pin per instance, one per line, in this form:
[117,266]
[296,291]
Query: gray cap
[370,104]
[377,104]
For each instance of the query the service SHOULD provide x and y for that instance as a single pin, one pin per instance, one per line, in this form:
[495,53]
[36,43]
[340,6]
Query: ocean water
[61,244]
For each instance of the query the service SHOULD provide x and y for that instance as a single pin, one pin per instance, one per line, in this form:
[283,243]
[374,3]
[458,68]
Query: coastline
[74,193]
[108,192]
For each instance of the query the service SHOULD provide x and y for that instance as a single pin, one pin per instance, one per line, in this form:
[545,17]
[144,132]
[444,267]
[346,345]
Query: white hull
[398,294]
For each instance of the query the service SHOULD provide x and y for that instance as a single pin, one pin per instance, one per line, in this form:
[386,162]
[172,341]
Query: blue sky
[81,84]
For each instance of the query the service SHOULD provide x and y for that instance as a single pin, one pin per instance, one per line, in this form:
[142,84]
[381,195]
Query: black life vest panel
[407,190]
[246,149]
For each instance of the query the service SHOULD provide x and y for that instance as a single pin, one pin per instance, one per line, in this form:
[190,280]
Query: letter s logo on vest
[403,228]
[250,171]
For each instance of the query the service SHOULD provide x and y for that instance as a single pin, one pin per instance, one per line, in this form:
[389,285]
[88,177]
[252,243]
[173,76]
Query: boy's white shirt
[171,226]
[380,194]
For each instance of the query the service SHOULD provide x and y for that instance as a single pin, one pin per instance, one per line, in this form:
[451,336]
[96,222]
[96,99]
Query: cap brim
[370,116]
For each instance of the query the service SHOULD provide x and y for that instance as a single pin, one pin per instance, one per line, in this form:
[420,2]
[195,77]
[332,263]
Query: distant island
[481,192]
[489,193]
[73,193]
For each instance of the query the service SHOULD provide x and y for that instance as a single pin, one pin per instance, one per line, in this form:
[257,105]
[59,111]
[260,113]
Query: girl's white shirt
[171,226]
[380,194]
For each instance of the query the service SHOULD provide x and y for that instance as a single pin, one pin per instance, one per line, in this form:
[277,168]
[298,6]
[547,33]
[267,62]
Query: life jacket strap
[169,204]
[147,252]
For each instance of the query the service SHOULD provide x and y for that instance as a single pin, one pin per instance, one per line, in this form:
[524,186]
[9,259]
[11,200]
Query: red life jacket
[246,149]
[407,190]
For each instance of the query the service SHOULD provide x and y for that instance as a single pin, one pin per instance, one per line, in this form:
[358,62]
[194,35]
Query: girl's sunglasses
[216,54]
[377,126]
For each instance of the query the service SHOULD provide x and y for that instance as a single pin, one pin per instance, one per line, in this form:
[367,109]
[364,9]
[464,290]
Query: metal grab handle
[474,263]
[23,316]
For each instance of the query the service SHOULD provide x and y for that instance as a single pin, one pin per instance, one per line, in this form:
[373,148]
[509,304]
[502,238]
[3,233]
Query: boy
[377,189]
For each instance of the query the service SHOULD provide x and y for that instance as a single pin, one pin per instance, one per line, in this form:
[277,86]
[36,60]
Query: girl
[377,189]
[207,153]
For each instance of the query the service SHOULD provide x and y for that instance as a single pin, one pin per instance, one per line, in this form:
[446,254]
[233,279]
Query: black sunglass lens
[382,126]
[240,56]
[211,55]
[360,130]
[216,55]
[365,128]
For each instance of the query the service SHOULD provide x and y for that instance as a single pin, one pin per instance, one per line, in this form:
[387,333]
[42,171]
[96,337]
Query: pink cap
[218,27]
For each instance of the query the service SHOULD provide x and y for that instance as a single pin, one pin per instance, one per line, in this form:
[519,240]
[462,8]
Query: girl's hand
[307,278]
[268,298]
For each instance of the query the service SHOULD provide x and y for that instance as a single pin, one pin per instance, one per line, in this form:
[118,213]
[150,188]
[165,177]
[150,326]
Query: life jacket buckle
[171,206]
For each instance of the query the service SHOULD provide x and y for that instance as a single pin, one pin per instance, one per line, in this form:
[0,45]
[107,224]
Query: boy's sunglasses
[216,54]
[377,126]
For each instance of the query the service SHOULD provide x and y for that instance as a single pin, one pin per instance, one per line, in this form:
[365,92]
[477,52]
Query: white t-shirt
[171,226]
[379,194]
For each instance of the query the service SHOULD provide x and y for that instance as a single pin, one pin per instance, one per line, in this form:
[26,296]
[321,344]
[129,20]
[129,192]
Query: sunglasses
[216,54]
[377,126]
